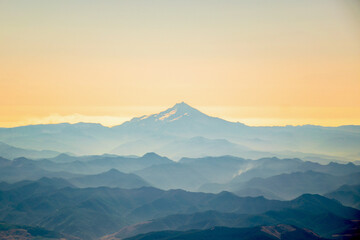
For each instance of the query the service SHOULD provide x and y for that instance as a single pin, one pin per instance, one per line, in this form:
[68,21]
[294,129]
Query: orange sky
[261,63]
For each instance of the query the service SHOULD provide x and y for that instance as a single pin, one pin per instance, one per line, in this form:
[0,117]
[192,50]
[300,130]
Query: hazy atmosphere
[180,120]
[258,62]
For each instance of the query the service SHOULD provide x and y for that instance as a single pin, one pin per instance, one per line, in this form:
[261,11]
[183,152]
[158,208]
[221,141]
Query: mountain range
[183,131]
[270,177]
[89,213]
[179,174]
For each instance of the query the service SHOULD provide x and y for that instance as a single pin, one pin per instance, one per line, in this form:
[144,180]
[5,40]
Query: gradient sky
[259,62]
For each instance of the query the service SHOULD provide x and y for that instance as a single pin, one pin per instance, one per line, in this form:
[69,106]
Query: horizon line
[252,116]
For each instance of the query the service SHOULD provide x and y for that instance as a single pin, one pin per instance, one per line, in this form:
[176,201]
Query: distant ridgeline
[182,131]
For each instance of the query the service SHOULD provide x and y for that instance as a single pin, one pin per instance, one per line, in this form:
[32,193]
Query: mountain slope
[103,163]
[111,178]
[291,185]
[324,216]
[11,152]
[279,178]
[26,169]
[348,195]
[11,232]
[323,224]
[220,169]
[284,232]
[177,148]
[80,138]
[182,120]
[172,176]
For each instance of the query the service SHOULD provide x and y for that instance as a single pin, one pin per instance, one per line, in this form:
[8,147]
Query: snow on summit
[178,111]
[166,115]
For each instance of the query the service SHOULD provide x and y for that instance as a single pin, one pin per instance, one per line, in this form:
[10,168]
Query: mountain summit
[180,120]
[178,111]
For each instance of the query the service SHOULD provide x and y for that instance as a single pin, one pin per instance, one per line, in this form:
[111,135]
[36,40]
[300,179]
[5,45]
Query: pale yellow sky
[258,62]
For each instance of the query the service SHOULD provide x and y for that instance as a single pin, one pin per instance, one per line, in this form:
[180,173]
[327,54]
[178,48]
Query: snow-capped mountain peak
[178,111]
